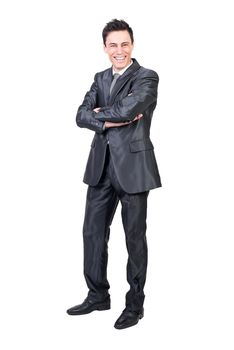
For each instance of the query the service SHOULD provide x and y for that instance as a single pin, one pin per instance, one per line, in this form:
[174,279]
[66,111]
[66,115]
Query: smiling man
[119,46]
[121,168]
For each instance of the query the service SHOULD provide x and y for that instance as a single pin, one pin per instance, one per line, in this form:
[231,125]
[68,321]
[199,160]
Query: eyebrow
[124,42]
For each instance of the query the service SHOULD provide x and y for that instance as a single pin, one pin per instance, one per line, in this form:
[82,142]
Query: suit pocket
[141,145]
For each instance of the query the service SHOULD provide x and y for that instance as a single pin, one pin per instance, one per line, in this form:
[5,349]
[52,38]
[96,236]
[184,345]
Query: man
[121,167]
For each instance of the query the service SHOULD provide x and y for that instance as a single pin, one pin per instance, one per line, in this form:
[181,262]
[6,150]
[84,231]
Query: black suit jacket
[130,146]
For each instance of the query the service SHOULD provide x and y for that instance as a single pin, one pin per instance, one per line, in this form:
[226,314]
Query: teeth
[119,58]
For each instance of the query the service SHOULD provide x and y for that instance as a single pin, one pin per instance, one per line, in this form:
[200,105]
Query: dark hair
[116,25]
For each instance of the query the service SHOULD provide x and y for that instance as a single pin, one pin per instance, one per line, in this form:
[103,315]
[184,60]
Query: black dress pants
[101,204]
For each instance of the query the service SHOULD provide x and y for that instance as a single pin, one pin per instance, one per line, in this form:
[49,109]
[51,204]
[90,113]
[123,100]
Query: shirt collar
[121,72]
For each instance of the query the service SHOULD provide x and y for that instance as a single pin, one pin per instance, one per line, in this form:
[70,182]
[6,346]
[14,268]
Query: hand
[139,116]
[96,110]
[114,125]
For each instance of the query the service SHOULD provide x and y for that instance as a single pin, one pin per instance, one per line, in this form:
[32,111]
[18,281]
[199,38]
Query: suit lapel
[123,80]
[107,78]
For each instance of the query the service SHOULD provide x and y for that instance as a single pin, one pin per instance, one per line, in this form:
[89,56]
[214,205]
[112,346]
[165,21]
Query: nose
[119,50]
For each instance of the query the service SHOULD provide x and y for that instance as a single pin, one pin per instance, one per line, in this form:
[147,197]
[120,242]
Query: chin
[120,66]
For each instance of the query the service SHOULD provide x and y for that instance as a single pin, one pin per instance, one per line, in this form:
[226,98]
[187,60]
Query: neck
[122,69]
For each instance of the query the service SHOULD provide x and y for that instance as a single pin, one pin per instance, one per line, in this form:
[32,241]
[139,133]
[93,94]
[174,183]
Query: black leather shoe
[128,318]
[88,306]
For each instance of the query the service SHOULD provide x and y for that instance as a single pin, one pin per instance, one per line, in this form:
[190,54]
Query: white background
[50,51]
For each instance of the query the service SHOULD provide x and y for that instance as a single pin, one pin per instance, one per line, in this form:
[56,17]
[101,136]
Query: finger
[139,116]
[97,109]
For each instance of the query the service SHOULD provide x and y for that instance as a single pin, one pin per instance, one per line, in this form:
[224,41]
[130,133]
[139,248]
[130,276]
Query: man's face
[119,49]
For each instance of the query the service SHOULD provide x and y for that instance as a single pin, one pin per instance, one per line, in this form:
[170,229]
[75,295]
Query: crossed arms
[108,125]
[127,110]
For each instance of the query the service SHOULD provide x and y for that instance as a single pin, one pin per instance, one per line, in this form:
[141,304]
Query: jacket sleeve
[142,95]
[86,117]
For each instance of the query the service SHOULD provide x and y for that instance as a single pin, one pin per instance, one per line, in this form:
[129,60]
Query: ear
[105,48]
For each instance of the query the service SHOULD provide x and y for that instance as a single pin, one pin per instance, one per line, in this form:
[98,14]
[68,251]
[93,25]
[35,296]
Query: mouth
[119,58]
